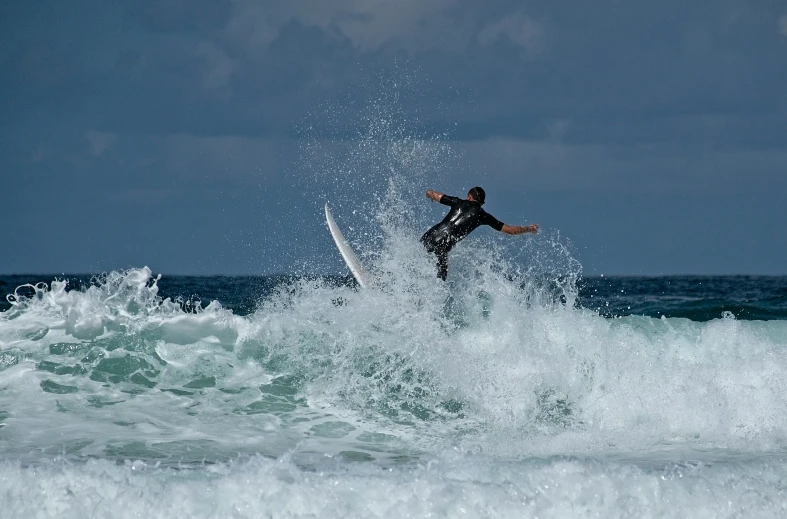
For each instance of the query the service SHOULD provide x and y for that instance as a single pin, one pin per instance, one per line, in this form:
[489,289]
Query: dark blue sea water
[699,298]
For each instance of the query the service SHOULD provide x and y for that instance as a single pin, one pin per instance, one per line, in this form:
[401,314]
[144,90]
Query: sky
[204,136]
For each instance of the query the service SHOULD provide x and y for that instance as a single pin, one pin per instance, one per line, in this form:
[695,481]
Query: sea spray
[498,393]
[492,393]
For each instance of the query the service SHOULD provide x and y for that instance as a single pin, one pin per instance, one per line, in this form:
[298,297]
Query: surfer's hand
[520,229]
[524,229]
[433,195]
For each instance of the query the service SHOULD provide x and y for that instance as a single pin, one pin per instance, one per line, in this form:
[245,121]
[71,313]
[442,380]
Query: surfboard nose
[350,259]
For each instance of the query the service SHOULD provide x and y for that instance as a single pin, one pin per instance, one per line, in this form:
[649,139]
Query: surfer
[463,218]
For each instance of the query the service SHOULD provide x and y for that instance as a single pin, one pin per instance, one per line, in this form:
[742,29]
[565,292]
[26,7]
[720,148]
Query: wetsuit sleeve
[492,222]
[448,200]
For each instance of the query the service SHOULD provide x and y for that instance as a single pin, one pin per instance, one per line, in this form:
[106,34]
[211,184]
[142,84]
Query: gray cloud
[171,102]
[518,29]
[259,67]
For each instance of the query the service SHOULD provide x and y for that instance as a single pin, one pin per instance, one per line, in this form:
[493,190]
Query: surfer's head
[478,194]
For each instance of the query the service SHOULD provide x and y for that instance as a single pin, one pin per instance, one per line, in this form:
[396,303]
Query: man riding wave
[463,218]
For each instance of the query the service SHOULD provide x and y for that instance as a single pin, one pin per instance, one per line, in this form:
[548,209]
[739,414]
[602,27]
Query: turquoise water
[490,395]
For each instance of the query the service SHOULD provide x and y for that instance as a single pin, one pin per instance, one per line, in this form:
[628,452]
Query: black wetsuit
[461,220]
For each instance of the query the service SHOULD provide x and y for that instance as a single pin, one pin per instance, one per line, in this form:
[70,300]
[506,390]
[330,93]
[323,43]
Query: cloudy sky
[201,136]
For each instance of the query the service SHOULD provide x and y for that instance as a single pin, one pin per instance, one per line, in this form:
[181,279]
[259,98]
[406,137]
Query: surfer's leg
[440,252]
[442,264]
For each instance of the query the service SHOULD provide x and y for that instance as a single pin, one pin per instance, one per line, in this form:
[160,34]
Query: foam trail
[447,487]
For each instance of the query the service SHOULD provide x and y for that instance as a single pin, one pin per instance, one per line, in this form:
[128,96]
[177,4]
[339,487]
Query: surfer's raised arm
[433,195]
[519,229]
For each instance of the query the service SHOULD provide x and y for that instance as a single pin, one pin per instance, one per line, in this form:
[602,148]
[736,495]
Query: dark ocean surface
[699,298]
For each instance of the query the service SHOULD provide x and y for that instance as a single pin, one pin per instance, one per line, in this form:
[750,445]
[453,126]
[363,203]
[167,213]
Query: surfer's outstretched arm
[434,195]
[519,229]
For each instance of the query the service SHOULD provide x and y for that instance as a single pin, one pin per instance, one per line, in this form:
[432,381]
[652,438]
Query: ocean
[501,393]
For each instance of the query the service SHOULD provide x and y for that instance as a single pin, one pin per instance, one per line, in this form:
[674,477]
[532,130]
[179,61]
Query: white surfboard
[349,256]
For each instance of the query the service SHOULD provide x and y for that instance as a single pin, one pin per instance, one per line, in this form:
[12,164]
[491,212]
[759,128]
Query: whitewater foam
[490,395]
[448,486]
[476,363]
